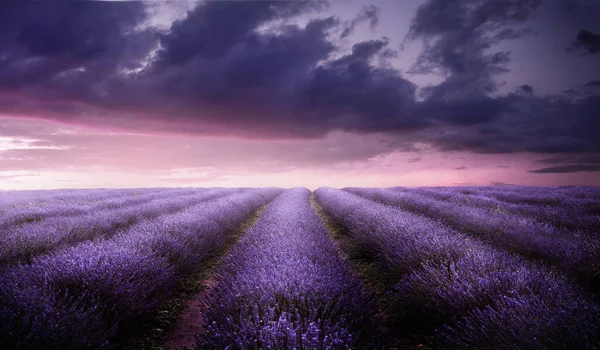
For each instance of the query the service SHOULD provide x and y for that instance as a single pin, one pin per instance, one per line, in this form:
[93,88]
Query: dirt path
[191,322]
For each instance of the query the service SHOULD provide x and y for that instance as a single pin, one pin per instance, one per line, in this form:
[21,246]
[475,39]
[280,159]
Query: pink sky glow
[36,154]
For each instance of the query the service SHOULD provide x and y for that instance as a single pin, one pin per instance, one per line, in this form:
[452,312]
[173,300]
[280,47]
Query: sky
[97,94]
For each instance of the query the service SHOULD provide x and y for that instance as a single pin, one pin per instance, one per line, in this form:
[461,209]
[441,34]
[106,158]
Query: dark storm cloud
[357,96]
[461,168]
[214,64]
[223,70]
[526,89]
[271,83]
[212,29]
[42,42]
[458,33]
[591,88]
[459,38]
[466,110]
[574,159]
[542,124]
[571,168]
[569,163]
[254,86]
[368,13]
[79,29]
[587,41]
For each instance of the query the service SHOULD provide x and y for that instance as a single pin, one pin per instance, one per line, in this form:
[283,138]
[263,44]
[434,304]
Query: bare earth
[191,322]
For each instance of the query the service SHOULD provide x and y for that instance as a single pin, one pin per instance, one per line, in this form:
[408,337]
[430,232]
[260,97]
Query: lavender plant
[87,295]
[569,215]
[25,241]
[464,289]
[16,198]
[27,201]
[584,198]
[575,252]
[285,286]
[37,210]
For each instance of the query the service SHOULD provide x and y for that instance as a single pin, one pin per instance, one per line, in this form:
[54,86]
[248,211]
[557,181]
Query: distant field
[505,267]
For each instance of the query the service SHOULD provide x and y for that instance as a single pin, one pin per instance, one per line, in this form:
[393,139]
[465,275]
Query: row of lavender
[575,250]
[284,286]
[578,199]
[538,195]
[28,198]
[466,292]
[37,209]
[22,242]
[568,212]
[86,295]
[31,203]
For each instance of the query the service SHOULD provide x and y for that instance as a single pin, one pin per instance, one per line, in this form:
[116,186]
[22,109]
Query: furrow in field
[575,252]
[375,281]
[284,286]
[94,294]
[26,241]
[194,301]
[460,291]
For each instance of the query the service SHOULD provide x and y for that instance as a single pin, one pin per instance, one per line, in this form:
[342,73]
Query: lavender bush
[569,215]
[34,211]
[25,241]
[284,286]
[575,252]
[85,295]
[463,287]
[26,197]
[82,268]
[585,199]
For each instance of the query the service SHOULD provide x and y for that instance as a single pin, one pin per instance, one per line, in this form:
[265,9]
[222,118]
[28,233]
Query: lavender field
[503,267]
